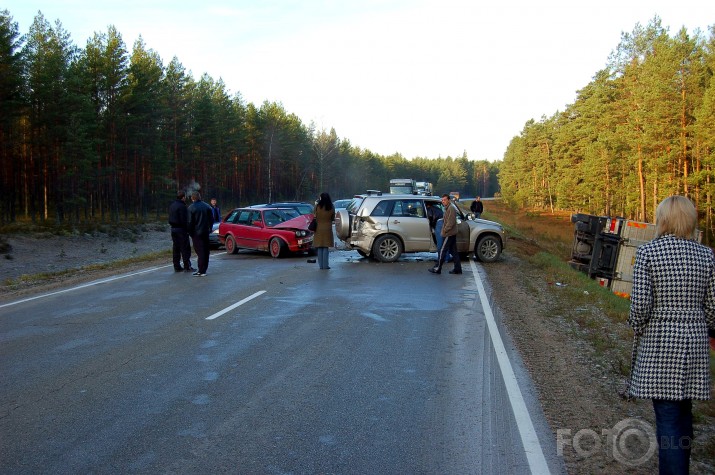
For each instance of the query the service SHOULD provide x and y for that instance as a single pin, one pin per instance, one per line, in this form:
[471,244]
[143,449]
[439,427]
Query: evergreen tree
[11,109]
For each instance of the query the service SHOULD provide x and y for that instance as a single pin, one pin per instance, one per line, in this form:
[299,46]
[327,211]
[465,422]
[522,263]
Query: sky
[422,78]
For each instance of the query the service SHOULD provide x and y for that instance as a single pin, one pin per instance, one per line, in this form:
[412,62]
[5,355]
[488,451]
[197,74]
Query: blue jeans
[674,430]
[323,253]
[440,239]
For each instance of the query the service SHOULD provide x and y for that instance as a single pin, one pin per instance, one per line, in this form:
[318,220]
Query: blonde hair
[676,215]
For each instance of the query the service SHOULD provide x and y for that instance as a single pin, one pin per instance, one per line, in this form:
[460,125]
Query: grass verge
[26,279]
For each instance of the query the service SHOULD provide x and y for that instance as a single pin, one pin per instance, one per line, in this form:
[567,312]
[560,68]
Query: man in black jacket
[200,223]
[477,207]
[179,220]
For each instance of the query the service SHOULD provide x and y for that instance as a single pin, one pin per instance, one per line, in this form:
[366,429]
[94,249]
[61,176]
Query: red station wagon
[276,230]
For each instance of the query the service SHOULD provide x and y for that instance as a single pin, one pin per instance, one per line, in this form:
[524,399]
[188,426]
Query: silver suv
[385,226]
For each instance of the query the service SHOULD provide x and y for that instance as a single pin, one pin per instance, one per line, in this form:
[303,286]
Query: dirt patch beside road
[42,261]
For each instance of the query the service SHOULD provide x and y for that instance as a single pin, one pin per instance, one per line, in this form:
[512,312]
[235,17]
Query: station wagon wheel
[231,247]
[488,249]
[387,248]
[277,247]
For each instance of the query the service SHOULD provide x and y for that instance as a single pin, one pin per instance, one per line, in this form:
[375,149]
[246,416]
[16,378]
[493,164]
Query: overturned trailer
[605,249]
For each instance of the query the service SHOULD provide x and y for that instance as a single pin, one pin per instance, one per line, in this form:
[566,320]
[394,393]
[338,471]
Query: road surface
[268,366]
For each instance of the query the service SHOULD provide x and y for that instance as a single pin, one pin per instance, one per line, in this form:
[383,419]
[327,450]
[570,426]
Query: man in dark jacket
[433,215]
[477,207]
[215,210]
[179,220]
[200,224]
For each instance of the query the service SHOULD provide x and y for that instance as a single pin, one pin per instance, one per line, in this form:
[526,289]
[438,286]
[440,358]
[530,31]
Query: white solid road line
[88,284]
[240,302]
[532,447]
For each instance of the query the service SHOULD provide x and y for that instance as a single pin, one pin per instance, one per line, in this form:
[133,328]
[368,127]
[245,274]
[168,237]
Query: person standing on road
[215,211]
[179,220]
[436,221]
[323,239]
[433,215]
[200,223]
[477,207]
[672,307]
[449,233]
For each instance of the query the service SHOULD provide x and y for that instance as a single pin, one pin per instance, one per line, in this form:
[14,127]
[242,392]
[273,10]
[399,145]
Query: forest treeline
[641,130]
[103,134]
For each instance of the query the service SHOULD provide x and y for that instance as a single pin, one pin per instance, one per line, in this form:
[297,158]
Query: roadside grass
[26,279]
[600,316]
[125,230]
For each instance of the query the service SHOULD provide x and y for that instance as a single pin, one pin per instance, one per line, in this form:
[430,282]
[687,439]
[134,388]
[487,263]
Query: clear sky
[423,78]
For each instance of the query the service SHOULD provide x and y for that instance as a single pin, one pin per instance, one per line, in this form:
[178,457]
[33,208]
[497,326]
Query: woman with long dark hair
[322,241]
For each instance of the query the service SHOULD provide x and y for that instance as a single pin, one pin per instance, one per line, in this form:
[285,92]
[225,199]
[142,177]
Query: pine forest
[104,134]
[642,130]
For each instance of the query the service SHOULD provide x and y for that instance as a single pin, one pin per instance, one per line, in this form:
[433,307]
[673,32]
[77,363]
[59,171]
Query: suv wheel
[488,249]
[387,248]
[342,223]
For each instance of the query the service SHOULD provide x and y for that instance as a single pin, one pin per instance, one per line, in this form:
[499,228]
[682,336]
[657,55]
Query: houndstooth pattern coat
[672,305]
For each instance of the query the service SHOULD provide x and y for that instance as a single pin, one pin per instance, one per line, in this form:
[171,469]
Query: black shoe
[435,270]
[178,269]
[189,269]
[454,271]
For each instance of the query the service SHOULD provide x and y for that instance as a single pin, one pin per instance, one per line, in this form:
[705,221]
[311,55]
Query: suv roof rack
[374,192]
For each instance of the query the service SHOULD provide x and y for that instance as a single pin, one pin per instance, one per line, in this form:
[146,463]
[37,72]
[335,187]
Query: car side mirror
[258,224]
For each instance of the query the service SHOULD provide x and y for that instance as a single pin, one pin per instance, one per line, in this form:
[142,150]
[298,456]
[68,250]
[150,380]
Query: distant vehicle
[340,204]
[454,195]
[423,188]
[402,186]
[278,231]
[301,206]
[214,241]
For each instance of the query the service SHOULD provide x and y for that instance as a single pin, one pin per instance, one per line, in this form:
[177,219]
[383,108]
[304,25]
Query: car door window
[233,217]
[409,208]
[383,208]
[244,217]
[256,217]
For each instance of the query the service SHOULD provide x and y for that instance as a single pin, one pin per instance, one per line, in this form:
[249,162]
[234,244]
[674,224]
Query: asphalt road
[268,366]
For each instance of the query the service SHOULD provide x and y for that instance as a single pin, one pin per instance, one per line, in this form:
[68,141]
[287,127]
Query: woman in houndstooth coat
[672,306]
